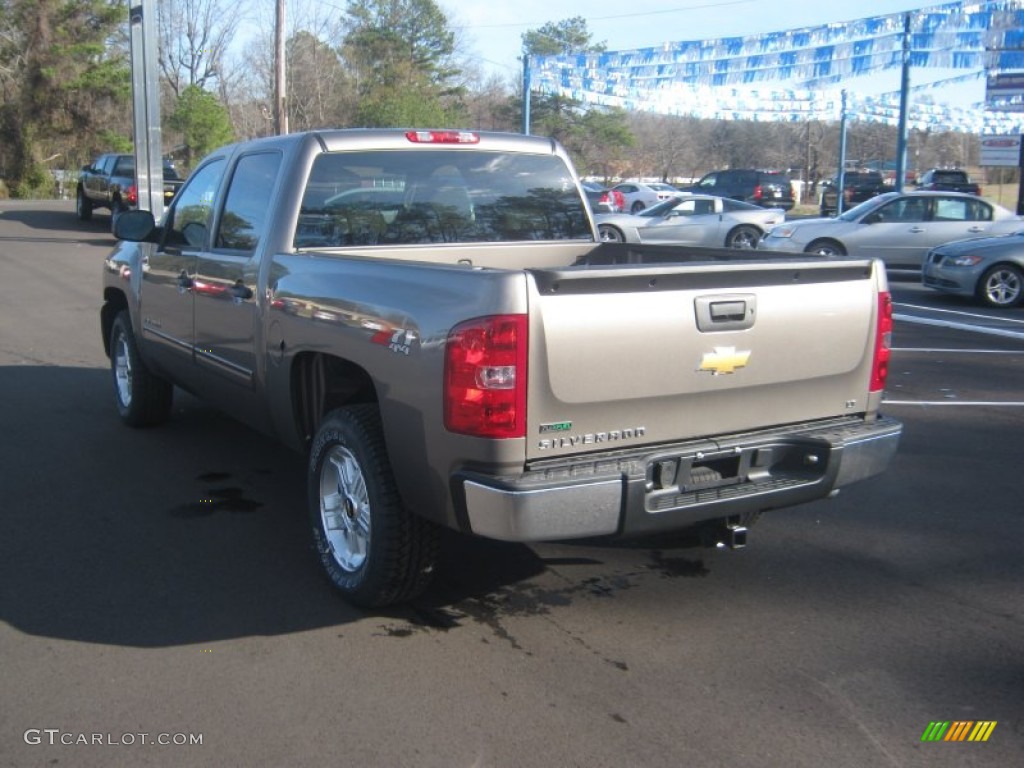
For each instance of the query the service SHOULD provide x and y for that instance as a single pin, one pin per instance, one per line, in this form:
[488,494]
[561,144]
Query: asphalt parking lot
[158,586]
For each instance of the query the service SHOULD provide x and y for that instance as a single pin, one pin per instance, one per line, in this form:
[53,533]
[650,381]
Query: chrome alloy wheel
[123,370]
[1002,287]
[345,508]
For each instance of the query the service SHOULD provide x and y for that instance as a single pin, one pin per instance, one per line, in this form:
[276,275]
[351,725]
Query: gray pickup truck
[432,317]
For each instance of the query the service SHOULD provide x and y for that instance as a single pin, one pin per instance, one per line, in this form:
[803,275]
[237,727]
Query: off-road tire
[373,549]
[83,206]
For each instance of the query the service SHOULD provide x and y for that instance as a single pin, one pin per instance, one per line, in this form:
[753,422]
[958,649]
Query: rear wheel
[83,206]
[637,207]
[825,248]
[143,398]
[744,236]
[610,234]
[372,548]
[1001,286]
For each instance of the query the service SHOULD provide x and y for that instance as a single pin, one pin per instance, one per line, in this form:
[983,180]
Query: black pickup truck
[858,186]
[948,180]
[109,182]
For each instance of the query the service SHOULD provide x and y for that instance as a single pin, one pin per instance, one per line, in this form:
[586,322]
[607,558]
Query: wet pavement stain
[227,499]
[676,567]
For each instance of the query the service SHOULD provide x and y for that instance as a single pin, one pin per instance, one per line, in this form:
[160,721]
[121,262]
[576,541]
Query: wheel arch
[113,302]
[820,241]
[319,383]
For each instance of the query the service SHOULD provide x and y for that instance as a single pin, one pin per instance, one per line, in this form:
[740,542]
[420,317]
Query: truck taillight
[485,377]
[131,194]
[883,343]
[758,192]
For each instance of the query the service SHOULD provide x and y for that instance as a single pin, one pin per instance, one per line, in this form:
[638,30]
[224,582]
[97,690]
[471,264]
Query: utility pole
[280,103]
[901,141]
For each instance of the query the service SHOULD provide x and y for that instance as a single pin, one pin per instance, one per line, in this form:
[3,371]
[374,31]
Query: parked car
[948,180]
[640,195]
[897,227]
[769,189]
[858,186]
[990,269]
[694,220]
[602,199]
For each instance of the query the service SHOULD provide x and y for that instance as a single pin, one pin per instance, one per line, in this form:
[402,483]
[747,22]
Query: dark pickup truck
[858,186]
[109,182]
[948,180]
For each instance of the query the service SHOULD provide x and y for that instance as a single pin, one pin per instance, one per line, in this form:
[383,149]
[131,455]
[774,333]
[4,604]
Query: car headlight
[962,261]
[781,231]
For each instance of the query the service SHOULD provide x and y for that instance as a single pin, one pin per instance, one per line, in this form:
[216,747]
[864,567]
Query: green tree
[64,77]
[561,37]
[401,55]
[597,137]
[203,122]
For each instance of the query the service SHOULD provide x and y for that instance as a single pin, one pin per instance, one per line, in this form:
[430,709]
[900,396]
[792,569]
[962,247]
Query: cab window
[248,200]
[189,219]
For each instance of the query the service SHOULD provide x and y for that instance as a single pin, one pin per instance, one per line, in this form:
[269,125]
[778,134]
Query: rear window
[438,196]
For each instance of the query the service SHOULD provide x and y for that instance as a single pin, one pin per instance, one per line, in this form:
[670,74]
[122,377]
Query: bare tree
[194,38]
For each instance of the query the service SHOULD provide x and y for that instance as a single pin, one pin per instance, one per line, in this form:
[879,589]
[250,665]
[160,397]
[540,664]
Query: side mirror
[134,225]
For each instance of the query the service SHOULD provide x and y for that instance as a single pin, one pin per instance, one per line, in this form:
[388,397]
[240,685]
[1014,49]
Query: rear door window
[246,208]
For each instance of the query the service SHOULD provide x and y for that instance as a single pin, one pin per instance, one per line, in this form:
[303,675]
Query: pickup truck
[432,318]
[858,186]
[109,182]
[948,180]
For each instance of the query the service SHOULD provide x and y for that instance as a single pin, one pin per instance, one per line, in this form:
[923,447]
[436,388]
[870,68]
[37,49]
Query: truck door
[225,285]
[169,273]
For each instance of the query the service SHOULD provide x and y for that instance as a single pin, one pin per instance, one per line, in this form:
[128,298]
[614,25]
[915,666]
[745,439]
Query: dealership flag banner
[724,78]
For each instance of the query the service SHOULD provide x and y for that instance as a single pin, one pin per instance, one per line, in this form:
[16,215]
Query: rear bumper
[674,487]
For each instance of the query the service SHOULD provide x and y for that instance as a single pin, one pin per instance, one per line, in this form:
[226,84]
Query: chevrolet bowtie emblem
[723,360]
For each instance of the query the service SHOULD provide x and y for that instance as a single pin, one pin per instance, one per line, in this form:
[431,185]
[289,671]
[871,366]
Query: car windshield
[864,208]
[661,208]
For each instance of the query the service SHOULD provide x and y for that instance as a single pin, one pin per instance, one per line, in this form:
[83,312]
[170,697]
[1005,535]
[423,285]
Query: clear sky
[493,30]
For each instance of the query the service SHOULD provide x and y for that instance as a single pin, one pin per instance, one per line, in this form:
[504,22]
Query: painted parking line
[974,403]
[952,325]
[961,313]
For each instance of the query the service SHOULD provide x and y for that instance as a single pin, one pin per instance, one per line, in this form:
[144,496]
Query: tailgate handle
[731,312]
[728,310]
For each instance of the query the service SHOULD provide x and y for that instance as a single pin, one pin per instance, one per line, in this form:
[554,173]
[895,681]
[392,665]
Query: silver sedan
[990,269]
[692,220]
[899,228]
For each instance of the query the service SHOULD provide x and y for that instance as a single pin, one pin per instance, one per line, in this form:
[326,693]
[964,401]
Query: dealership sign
[1000,150]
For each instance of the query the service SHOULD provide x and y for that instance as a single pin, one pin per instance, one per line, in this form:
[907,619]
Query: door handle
[184,281]
[975,229]
[916,230]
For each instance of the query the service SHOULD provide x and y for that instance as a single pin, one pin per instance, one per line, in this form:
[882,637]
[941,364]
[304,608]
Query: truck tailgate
[626,356]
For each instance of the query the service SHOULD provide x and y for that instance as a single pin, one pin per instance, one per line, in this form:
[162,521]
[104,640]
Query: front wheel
[143,398]
[744,236]
[610,234]
[83,206]
[1001,286]
[372,548]
[825,248]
